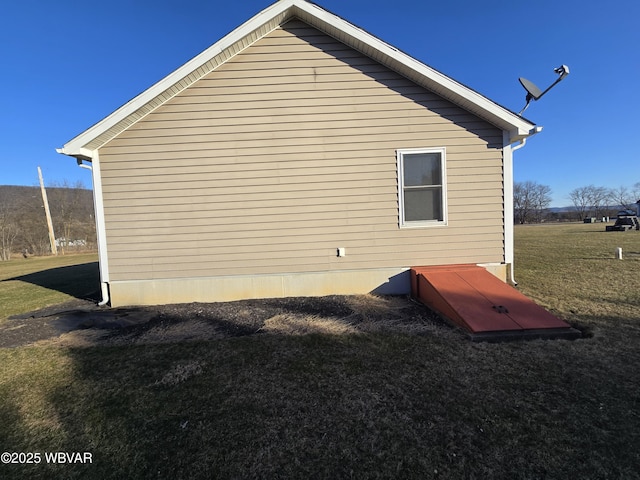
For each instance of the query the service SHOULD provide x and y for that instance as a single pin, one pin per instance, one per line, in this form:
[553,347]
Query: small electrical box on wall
[341,252]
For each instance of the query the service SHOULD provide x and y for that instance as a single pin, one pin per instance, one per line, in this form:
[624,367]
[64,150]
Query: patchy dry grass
[180,372]
[292,324]
[350,387]
[572,270]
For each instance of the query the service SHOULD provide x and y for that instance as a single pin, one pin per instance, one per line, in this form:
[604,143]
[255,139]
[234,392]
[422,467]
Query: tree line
[23,223]
[531,202]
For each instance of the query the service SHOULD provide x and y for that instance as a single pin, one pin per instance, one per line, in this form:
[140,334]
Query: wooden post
[52,237]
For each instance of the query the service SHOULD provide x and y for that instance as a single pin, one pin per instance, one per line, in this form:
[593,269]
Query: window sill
[423,224]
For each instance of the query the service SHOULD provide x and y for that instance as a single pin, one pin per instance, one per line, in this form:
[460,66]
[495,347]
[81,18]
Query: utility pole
[52,237]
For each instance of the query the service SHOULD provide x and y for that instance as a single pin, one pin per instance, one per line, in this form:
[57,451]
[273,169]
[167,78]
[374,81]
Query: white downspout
[520,144]
[507,157]
[508,198]
[104,286]
[104,289]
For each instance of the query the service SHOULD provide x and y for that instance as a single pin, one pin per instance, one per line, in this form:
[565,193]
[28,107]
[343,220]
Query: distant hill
[17,194]
[562,209]
[23,223]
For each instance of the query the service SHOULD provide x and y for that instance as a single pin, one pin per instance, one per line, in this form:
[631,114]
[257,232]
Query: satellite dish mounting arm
[534,93]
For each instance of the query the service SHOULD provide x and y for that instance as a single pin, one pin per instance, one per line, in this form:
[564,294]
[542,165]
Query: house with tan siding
[298,155]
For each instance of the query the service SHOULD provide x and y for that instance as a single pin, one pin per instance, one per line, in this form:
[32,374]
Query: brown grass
[337,315]
[572,271]
[180,373]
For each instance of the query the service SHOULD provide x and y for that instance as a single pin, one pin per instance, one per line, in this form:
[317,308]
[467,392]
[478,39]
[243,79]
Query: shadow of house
[79,281]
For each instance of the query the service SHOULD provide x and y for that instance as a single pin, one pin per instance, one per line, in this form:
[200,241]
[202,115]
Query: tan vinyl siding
[286,152]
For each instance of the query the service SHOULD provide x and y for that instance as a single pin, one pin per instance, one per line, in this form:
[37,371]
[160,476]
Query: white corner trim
[98,206]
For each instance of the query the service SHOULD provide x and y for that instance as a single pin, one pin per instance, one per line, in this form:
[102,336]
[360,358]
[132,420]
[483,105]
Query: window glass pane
[423,204]
[422,169]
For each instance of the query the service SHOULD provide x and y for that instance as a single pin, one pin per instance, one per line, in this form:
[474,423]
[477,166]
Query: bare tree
[600,198]
[590,200]
[581,199]
[521,202]
[32,223]
[9,205]
[8,231]
[541,201]
[23,225]
[635,193]
[530,200]
[624,197]
[69,213]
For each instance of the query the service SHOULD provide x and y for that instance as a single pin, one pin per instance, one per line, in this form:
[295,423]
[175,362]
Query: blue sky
[67,64]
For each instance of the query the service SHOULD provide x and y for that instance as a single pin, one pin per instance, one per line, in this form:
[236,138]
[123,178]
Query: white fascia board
[75,146]
[82,153]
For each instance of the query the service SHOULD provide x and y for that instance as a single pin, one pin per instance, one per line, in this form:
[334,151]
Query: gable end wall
[283,154]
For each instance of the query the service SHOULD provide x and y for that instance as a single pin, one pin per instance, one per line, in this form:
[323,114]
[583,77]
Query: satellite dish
[534,93]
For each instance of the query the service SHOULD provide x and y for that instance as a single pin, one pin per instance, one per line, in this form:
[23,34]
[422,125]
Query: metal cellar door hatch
[483,305]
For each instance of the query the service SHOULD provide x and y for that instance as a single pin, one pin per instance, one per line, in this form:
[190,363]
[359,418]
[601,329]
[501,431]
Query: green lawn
[356,406]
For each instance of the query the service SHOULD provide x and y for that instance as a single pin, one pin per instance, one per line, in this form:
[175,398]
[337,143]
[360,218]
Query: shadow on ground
[79,281]
[329,406]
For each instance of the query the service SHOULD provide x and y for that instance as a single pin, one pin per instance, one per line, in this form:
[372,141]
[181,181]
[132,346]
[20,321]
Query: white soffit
[259,26]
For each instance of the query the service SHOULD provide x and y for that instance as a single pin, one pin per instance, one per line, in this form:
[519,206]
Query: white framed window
[422,187]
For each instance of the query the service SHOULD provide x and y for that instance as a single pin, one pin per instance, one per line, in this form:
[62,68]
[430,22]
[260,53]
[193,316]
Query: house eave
[79,153]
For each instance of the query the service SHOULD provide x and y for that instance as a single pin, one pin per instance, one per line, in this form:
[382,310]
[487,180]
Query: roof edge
[277,14]
[74,146]
[432,79]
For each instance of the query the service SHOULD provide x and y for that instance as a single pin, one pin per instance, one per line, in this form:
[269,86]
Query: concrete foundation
[242,287]
[387,281]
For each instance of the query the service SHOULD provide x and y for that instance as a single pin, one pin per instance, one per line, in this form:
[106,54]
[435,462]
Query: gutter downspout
[521,143]
[104,287]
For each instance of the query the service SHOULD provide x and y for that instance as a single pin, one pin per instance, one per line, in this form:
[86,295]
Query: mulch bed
[82,323]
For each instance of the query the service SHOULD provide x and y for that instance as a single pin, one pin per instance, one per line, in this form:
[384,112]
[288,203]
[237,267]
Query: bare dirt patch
[81,323]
